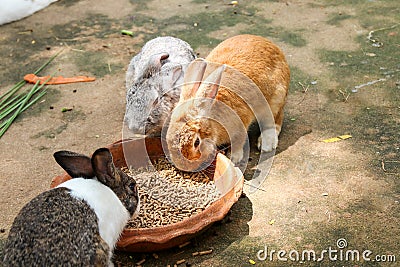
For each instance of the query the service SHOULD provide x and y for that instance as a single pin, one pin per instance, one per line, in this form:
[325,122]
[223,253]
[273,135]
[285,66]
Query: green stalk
[14,89]
[11,102]
[24,105]
[10,109]
[22,101]
[12,118]
[15,105]
[47,63]
[21,83]
[40,95]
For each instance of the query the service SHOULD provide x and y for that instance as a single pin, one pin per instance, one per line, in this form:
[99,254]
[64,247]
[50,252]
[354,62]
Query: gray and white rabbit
[150,81]
[79,222]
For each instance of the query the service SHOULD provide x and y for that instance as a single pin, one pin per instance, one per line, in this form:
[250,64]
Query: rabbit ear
[104,169]
[154,64]
[176,72]
[209,87]
[156,60]
[76,165]
[169,80]
[193,76]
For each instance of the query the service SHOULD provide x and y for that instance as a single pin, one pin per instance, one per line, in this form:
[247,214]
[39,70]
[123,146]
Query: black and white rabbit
[79,222]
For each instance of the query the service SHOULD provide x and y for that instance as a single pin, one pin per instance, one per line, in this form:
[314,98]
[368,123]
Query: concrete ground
[336,199]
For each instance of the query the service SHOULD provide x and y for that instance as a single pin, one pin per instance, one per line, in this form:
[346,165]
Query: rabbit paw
[237,156]
[268,140]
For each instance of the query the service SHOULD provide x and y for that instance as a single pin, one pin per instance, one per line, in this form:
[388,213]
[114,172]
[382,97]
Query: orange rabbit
[216,98]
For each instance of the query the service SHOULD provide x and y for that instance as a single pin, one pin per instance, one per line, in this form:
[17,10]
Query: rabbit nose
[134,127]
[133,209]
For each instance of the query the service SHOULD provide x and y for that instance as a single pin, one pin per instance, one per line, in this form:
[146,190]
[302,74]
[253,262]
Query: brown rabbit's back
[260,60]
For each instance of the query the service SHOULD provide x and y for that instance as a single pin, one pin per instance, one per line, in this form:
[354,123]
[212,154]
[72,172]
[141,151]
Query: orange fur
[261,61]
[255,57]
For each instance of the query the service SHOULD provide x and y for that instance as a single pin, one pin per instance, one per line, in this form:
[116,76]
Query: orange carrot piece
[32,78]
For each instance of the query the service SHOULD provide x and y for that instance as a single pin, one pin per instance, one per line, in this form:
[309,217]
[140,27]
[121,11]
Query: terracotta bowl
[228,178]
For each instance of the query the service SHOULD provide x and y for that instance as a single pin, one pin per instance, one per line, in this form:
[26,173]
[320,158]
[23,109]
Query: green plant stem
[10,109]
[17,103]
[47,62]
[21,83]
[40,95]
[24,105]
[21,102]
[11,102]
[12,91]
[12,118]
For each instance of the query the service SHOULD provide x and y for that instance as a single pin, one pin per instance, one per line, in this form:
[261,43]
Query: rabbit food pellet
[168,195]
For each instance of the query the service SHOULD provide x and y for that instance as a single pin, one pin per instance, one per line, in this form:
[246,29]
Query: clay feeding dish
[138,153]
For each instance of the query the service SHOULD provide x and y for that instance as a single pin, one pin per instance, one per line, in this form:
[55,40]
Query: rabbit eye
[133,187]
[197,142]
[131,93]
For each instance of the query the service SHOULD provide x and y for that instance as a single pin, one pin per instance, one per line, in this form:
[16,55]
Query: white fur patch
[111,213]
[12,10]
[268,140]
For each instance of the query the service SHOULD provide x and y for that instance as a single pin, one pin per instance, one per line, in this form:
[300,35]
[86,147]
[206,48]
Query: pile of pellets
[168,195]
